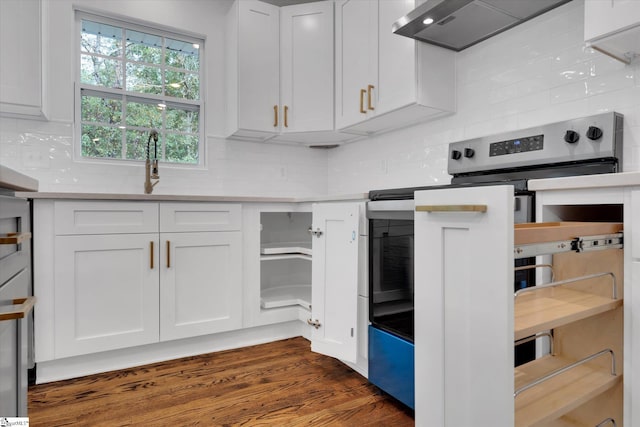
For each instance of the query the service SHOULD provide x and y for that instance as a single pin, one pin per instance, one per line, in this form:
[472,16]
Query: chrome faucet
[151,167]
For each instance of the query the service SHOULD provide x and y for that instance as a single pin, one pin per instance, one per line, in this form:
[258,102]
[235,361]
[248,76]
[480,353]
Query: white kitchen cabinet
[306,67]
[280,70]
[465,306]
[464,310]
[133,273]
[21,53]
[317,278]
[200,269]
[613,27]
[278,258]
[385,81]
[200,289]
[106,292]
[253,72]
[334,313]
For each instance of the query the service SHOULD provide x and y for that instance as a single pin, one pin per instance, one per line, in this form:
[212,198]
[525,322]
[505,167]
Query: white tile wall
[539,72]
[536,73]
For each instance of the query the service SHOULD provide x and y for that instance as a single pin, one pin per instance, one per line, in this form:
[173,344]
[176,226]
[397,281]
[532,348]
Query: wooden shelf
[558,396]
[286,248]
[549,308]
[285,296]
[530,233]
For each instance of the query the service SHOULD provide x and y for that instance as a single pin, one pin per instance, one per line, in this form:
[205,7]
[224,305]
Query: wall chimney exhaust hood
[458,24]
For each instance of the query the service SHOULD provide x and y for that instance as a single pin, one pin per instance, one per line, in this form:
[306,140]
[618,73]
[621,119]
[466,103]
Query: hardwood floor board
[275,384]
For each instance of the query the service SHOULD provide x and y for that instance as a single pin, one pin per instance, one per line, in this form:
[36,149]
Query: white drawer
[105,217]
[186,217]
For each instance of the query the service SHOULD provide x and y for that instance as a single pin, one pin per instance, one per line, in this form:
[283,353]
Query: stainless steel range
[584,146]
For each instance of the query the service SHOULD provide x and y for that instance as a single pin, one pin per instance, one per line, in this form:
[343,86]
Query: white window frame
[123,94]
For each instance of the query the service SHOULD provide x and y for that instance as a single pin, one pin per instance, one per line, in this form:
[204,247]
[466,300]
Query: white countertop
[622,179]
[190,198]
[16,181]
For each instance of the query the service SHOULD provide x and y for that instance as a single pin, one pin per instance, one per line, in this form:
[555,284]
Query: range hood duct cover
[458,24]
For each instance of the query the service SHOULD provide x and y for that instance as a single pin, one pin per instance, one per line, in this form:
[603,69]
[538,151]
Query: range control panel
[518,145]
[583,139]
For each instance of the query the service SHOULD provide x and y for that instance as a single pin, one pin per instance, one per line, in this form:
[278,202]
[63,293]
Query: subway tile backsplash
[538,72]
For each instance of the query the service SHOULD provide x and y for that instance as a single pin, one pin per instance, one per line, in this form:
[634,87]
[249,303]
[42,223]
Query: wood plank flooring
[276,384]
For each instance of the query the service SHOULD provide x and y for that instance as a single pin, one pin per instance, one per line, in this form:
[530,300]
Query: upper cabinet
[385,81]
[21,58]
[253,70]
[613,27]
[280,71]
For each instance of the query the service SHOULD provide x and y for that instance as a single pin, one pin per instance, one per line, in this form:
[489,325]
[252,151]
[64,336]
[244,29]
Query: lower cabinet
[200,283]
[115,288]
[469,317]
[106,295]
[308,263]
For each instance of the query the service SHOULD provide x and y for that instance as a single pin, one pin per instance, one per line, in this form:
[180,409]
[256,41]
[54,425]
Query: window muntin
[133,80]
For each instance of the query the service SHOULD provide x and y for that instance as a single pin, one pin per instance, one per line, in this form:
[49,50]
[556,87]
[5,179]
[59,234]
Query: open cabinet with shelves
[469,309]
[582,309]
[285,260]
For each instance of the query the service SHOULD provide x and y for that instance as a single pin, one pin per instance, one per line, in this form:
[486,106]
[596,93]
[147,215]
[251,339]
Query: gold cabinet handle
[17,309]
[14,238]
[275,116]
[451,208]
[362,92]
[369,89]
[168,254]
[151,255]
[286,111]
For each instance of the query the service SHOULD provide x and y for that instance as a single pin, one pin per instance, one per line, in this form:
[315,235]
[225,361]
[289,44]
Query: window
[134,79]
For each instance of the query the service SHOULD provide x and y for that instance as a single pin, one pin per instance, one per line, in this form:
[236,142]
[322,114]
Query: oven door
[391,266]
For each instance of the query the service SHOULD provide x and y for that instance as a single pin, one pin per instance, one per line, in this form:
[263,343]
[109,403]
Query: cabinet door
[201,286]
[395,60]
[106,292]
[334,280]
[20,58]
[356,39]
[258,65]
[306,73]
[464,308]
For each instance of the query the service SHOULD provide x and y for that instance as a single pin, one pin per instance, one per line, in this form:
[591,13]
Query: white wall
[536,73]
[44,150]
[539,72]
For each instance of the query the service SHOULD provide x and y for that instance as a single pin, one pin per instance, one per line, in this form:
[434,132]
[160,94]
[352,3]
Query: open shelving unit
[285,260]
[580,383]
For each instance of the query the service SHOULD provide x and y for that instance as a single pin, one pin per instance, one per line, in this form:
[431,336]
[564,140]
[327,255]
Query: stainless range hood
[458,24]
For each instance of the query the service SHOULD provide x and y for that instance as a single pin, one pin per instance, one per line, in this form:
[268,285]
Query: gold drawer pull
[151,255]
[275,116]
[369,89]
[286,116]
[451,208]
[14,238]
[362,92]
[24,307]
[168,254]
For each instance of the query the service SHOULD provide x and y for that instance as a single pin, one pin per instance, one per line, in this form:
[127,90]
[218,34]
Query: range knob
[571,136]
[469,152]
[455,155]
[594,133]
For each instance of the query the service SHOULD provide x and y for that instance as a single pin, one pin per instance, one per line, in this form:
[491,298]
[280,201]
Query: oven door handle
[451,208]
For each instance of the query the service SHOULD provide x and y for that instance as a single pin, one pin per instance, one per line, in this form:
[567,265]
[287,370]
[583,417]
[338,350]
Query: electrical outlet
[35,157]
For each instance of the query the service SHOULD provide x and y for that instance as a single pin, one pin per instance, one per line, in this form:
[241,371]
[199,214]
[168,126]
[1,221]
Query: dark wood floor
[277,384]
